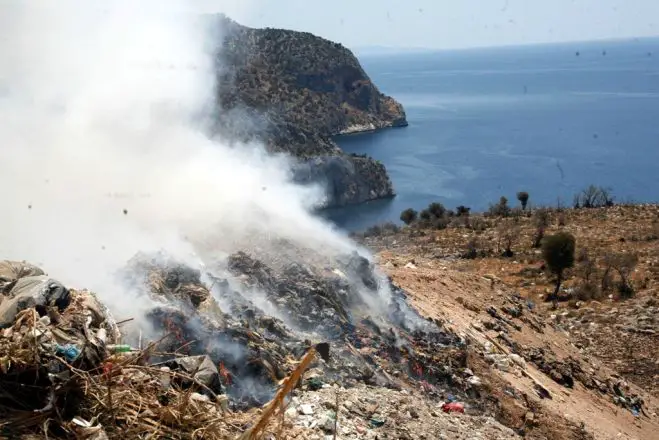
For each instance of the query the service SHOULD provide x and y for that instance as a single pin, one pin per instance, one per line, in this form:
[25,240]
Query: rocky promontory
[297,91]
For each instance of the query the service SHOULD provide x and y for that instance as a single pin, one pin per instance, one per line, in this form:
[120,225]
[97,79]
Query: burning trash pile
[222,347]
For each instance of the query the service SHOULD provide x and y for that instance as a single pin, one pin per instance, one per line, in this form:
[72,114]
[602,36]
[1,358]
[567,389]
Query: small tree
[558,252]
[437,209]
[462,210]
[408,216]
[523,198]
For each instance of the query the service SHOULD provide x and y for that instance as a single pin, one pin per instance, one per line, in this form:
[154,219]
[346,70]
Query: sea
[485,123]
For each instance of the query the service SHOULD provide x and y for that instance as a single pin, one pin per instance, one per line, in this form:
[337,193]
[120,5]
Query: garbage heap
[222,346]
[65,374]
[299,305]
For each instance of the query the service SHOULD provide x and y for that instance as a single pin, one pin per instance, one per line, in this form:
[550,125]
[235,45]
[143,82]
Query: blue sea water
[548,119]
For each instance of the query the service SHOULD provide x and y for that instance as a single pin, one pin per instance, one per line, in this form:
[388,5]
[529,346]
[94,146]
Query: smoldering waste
[222,345]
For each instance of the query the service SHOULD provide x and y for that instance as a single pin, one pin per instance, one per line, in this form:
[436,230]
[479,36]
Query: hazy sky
[457,23]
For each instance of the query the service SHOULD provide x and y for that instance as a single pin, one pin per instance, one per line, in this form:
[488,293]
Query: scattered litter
[69,351]
[453,407]
[474,381]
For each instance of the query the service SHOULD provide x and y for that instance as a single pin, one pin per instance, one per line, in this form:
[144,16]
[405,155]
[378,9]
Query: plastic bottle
[119,348]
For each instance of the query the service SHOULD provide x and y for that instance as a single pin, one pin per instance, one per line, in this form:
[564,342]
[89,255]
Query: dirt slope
[597,359]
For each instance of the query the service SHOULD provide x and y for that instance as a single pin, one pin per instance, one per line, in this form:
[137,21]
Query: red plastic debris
[107,370]
[418,370]
[453,407]
[224,373]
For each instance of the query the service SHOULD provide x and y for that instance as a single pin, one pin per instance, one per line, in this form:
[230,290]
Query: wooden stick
[287,386]
[336,416]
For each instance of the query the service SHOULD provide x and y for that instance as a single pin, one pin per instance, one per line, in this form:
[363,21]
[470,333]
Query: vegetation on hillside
[299,86]
[537,235]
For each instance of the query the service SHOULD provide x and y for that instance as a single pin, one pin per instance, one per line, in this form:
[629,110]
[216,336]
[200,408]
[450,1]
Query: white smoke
[102,152]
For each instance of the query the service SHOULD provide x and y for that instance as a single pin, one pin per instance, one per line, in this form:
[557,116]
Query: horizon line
[502,46]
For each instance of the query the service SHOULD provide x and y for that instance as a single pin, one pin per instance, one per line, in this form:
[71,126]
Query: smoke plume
[104,153]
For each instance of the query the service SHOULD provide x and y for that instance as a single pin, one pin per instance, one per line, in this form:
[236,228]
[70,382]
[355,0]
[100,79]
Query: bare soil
[586,353]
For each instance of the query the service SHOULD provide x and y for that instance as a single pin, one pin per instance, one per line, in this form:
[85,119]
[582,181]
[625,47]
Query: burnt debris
[231,338]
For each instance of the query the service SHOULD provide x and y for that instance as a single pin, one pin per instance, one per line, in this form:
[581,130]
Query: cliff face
[299,90]
[348,179]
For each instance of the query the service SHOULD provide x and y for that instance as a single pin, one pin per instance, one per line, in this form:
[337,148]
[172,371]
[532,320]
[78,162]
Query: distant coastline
[368,51]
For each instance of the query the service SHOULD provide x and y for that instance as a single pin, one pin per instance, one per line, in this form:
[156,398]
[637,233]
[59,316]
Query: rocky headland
[297,91]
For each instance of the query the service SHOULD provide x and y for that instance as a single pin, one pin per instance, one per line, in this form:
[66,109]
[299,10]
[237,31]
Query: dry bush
[541,220]
[383,229]
[593,197]
[622,264]
[472,250]
[507,236]
[500,209]
[478,224]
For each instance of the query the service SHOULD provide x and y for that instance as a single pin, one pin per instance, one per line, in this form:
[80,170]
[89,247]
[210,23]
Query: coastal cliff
[298,91]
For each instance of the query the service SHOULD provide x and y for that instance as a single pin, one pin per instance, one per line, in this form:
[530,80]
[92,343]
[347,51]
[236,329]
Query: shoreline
[356,130]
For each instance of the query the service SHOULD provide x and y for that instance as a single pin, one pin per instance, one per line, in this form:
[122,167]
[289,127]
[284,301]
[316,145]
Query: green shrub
[462,210]
[408,216]
[437,209]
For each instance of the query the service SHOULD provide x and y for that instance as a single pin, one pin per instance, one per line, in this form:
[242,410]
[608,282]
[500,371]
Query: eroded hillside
[595,351]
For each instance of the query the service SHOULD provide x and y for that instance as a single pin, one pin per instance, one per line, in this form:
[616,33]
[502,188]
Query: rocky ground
[590,360]
[365,412]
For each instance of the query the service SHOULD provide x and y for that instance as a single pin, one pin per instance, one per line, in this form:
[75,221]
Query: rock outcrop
[297,91]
